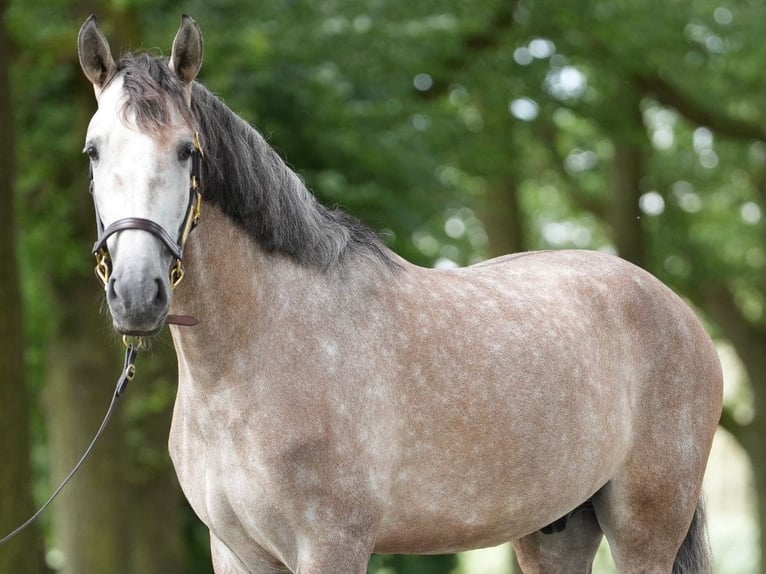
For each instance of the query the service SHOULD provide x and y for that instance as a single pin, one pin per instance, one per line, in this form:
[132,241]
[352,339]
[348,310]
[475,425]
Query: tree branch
[471,45]
[718,301]
[697,112]
[594,205]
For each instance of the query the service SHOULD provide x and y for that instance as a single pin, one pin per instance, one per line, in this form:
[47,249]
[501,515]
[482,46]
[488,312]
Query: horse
[335,400]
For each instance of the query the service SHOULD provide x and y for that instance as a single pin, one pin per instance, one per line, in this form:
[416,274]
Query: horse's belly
[494,466]
[467,508]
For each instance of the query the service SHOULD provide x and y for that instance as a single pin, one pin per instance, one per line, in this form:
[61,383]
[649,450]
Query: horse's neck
[225,285]
[241,293]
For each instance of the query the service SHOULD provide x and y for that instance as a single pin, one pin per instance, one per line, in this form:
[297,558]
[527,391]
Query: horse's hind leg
[654,531]
[571,550]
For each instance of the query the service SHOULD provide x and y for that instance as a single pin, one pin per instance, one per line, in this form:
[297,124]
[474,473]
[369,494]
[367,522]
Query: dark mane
[244,176]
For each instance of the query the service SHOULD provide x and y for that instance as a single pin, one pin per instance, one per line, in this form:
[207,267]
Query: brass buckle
[197,210]
[103,266]
[176,274]
[133,340]
[198,144]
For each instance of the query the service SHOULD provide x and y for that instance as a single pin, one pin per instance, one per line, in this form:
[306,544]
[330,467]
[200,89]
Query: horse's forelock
[152,91]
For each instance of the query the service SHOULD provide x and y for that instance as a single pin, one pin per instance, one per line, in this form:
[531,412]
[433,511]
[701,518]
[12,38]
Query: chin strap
[127,374]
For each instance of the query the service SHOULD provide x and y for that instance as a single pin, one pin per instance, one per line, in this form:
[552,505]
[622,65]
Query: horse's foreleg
[226,562]
[334,565]
[333,559]
[571,550]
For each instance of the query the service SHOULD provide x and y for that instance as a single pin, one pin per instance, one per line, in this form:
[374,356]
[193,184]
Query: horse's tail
[694,555]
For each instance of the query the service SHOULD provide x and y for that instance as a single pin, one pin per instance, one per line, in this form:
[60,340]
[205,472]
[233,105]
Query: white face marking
[141,175]
[135,175]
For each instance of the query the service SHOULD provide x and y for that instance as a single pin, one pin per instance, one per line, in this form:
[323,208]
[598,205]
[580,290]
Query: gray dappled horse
[335,400]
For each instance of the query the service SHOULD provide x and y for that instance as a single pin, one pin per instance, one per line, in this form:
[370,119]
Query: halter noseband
[176,246]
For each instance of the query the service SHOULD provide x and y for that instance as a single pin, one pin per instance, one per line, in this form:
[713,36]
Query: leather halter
[175,246]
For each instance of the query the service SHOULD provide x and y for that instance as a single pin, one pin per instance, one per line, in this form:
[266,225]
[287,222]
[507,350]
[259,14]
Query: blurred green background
[459,129]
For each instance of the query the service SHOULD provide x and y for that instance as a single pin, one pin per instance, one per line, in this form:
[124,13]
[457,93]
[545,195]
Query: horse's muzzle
[138,307]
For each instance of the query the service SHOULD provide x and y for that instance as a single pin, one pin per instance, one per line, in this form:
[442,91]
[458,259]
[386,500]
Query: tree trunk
[630,142]
[625,217]
[502,218]
[122,513]
[25,552]
[91,516]
[751,436]
[756,450]
[749,341]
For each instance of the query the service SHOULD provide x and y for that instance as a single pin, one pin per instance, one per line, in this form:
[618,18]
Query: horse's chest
[226,482]
[264,479]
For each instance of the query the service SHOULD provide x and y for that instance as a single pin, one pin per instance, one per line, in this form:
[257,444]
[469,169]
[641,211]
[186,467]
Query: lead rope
[128,372]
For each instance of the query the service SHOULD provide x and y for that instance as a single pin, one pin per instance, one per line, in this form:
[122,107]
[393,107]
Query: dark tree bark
[749,341]
[629,139]
[502,218]
[25,552]
[625,215]
[90,515]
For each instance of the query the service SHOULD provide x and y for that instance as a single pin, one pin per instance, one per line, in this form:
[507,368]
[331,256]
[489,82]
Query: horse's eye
[91,151]
[185,151]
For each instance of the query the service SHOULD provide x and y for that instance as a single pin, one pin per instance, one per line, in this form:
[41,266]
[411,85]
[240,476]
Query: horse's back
[629,317]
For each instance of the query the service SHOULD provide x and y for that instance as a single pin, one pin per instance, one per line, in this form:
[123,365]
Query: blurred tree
[25,552]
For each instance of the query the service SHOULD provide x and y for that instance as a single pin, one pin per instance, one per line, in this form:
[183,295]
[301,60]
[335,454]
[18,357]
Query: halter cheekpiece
[176,246]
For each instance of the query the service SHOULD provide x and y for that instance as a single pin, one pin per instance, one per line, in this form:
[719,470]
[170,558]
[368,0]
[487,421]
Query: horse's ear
[186,57]
[95,56]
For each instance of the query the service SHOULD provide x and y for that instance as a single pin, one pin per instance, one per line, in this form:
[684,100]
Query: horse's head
[145,155]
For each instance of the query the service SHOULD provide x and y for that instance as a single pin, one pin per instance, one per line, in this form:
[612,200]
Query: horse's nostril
[161,297]
[111,290]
